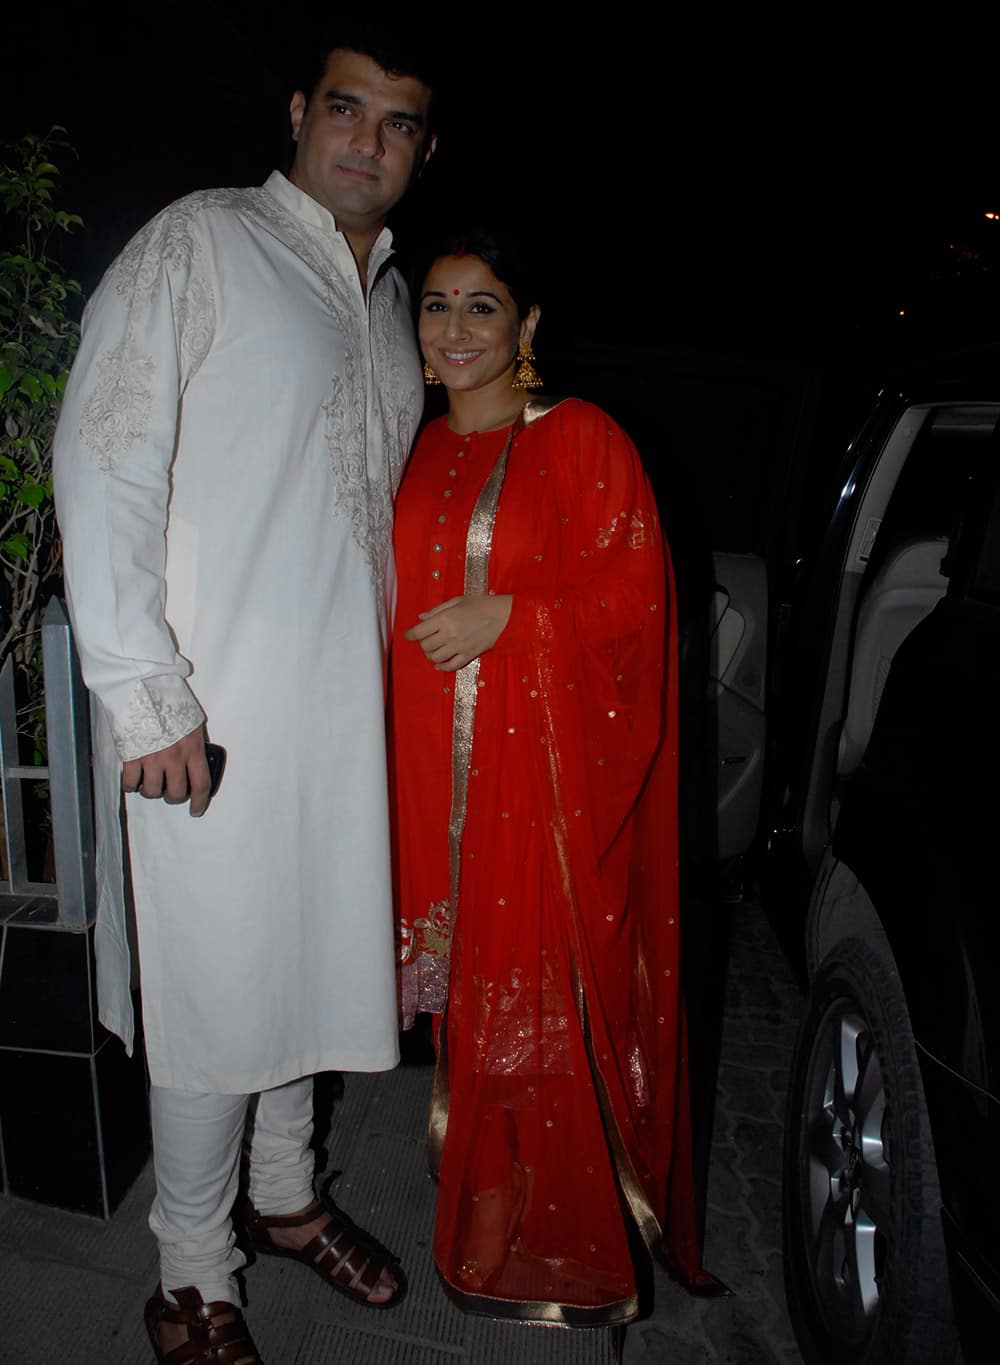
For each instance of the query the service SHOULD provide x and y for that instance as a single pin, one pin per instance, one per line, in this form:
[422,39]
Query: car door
[737,662]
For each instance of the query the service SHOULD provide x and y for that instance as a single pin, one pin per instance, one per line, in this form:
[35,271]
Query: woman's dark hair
[498,247]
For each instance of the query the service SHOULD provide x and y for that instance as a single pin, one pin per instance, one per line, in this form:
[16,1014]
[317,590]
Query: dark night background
[737,218]
[746,222]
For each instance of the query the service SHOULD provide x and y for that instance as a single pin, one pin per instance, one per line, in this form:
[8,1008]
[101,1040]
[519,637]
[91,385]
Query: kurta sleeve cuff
[156,713]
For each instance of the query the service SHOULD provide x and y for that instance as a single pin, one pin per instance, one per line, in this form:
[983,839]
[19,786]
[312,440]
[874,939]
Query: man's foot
[322,1237]
[193,1332]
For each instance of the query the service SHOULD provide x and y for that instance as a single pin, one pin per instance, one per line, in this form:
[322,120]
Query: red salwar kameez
[535,807]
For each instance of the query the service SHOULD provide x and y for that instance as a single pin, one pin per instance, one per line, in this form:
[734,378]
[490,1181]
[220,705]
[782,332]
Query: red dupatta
[562,1086]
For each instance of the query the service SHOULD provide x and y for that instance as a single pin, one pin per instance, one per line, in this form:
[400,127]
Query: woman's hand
[455,632]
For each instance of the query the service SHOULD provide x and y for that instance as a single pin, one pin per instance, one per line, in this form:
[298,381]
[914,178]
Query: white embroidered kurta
[227,456]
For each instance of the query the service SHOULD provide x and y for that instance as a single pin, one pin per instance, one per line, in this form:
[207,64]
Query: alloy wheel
[848,1203]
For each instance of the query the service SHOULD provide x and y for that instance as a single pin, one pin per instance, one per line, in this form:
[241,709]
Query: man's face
[361,139]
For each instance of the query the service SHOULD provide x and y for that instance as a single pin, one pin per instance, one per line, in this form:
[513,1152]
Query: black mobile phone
[215,756]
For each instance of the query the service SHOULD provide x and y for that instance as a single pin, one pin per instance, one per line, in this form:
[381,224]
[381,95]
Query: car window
[950,454]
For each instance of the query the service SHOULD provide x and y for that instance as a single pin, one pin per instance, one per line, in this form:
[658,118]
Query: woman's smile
[470,329]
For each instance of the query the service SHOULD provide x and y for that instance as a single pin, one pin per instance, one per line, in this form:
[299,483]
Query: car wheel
[865,1269]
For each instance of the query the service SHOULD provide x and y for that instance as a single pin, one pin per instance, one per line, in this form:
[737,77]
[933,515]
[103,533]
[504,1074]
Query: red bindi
[456,291]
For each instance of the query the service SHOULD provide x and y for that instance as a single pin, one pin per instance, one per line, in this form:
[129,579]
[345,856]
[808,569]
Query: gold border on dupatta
[643,1213]
[650,1228]
[478,543]
[544,1311]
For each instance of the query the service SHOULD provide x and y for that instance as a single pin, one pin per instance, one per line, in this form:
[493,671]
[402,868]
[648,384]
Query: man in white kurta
[231,440]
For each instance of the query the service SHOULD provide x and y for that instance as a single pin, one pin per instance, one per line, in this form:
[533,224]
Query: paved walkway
[72,1289]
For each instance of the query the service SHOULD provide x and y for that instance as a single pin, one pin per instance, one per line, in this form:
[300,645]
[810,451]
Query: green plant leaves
[31,494]
[17,546]
[39,334]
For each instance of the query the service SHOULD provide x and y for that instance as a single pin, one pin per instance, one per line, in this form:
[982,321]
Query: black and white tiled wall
[73,1107]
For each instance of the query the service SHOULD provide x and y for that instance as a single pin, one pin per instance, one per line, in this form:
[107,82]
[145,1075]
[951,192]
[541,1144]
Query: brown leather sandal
[217,1331]
[344,1255]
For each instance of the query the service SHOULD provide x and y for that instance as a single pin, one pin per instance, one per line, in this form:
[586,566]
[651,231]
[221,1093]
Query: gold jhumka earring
[526,376]
[429,376]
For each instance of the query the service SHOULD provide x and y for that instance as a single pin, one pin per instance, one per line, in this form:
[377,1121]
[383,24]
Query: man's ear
[430,149]
[297,110]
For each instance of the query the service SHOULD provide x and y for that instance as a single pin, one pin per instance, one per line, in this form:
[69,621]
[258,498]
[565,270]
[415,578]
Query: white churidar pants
[196,1156]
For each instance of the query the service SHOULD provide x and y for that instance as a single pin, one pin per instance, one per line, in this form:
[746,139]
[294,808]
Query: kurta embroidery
[151,723]
[116,415]
[232,429]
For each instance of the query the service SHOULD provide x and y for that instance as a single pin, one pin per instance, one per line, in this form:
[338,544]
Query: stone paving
[743,1221]
[72,1289]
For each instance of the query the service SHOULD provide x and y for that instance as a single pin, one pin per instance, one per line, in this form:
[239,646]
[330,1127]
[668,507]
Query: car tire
[864,1258]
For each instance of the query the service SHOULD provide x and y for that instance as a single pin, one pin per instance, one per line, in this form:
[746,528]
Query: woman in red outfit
[535,806]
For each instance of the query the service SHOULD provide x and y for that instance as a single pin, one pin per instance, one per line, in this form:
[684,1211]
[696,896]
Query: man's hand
[455,632]
[175,773]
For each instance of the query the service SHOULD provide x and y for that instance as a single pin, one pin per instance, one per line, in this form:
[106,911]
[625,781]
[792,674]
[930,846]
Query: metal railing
[67,724]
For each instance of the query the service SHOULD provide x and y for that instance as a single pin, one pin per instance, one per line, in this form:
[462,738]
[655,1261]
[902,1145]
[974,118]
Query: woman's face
[469,327]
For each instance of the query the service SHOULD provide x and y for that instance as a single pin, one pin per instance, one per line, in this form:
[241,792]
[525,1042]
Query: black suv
[852,637]
[882,818]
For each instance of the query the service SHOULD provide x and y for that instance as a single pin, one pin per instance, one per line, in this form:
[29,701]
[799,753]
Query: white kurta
[229,448]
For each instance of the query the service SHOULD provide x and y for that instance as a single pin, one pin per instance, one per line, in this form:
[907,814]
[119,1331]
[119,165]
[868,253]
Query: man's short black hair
[399,46]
